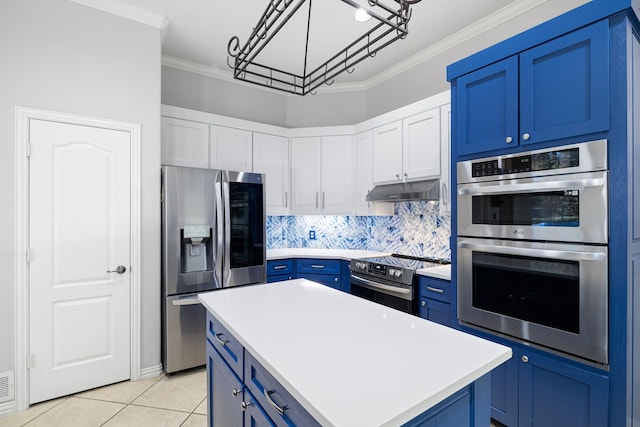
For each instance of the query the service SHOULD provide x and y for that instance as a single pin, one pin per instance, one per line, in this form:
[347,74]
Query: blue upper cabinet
[559,89]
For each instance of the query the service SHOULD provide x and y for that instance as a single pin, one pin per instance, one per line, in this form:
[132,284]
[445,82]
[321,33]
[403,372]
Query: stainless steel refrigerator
[213,237]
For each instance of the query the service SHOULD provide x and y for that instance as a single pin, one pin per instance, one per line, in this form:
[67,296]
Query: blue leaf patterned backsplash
[416,229]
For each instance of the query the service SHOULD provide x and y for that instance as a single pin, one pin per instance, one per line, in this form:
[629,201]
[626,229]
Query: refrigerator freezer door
[183,333]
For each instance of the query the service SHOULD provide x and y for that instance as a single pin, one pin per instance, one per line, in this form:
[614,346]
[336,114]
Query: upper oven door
[551,294]
[568,208]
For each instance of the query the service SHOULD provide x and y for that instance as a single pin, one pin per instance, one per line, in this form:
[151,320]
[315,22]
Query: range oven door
[568,208]
[391,295]
[550,294]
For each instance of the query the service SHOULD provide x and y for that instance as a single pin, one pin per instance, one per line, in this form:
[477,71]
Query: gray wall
[188,90]
[61,56]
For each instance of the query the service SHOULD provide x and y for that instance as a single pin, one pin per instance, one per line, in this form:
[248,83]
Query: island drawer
[318,266]
[435,289]
[280,267]
[229,348]
[276,401]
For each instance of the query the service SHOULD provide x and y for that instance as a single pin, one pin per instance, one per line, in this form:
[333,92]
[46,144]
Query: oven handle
[377,286]
[512,187]
[541,253]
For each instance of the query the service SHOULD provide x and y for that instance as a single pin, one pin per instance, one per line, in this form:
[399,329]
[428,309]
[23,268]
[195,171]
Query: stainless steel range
[390,280]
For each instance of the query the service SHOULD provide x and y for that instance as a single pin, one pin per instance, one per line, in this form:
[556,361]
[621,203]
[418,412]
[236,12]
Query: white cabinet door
[387,153]
[445,159]
[306,175]
[421,145]
[271,157]
[363,177]
[184,143]
[336,175]
[230,149]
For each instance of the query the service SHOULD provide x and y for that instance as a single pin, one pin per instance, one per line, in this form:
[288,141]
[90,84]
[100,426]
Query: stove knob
[398,273]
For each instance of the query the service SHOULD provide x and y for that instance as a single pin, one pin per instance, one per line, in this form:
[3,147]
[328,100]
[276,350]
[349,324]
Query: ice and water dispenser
[196,249]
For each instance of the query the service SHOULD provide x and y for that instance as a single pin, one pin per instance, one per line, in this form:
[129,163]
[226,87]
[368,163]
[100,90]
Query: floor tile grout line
[64,399]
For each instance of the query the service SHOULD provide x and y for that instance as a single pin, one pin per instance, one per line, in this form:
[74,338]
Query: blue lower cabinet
[325,271]
[254,415]
[224,397]
[553,393]
[435,300]
[436,311]
[279,278]
[538,389]
[279,270]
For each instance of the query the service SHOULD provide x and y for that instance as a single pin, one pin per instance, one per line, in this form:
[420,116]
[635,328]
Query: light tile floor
[176,400]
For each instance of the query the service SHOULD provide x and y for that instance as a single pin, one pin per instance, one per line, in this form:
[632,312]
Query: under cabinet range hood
[428,190]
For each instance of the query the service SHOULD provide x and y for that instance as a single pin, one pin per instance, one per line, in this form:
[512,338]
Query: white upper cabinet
[321,175]
[363,177]
[271,157]
[230,149]
[387,153]
[184,143]
[421,145]
[445,156]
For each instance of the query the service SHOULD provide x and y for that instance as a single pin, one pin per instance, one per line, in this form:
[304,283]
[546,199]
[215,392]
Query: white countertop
[349,361]
[440,272]
[343,254]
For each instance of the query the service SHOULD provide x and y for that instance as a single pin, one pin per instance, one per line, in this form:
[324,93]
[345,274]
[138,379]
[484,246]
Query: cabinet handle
[508,140]
[279,267]
[423,303]
[526,136]
[267,395]
[397,175]
[286,199]
[320,266]
[316,200]
[324,198]
[245,405]
[406,174]
[335,279]
[445,195]
[436,290]
[525,359]
[235,392]
[220,340]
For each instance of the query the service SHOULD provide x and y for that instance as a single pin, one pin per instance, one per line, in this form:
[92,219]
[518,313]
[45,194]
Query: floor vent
[6,386]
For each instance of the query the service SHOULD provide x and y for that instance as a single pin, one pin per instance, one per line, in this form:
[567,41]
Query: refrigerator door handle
[226,257]
[185,301]
[219,212]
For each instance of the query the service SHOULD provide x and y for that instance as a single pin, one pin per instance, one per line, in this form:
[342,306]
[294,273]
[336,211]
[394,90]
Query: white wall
[61,56]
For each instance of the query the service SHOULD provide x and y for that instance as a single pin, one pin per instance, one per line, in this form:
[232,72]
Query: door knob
[119,269]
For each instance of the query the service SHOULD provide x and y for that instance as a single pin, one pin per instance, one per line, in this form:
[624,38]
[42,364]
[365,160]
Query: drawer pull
[267,395]
[235,392]
[220,340]
[279,267]
[319,266]
[436,290]
[245,405]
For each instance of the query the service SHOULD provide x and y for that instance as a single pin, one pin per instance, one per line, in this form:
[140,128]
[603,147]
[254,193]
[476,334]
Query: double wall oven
[532,248]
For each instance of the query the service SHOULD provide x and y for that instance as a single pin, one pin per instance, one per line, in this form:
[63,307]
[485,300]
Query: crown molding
[479,27]
[128,11]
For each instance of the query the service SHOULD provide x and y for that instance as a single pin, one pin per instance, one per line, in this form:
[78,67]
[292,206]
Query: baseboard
[150,372]
[7,408]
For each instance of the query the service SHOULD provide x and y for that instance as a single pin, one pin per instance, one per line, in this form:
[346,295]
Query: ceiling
[197,32]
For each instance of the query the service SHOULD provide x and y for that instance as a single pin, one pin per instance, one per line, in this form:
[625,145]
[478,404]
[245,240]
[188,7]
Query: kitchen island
[339,360]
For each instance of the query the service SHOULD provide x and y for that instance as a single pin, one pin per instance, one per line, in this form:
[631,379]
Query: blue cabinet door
[254,415]
[436,311]
[279,278]
[504,390]
[487,108]
[554,393]
[564,86]
[557,90]
[224,392]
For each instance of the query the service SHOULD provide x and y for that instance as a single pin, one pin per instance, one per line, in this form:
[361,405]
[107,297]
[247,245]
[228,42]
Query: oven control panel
[541,161]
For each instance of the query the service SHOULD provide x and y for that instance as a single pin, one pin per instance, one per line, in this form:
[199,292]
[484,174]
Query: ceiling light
[361,15]
[392,15]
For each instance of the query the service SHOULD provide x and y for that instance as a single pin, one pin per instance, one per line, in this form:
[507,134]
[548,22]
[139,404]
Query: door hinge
[29,361]
[28,255]
[28,149]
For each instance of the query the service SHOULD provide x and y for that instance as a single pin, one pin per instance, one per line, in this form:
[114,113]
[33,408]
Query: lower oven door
[553,295]
[391,295]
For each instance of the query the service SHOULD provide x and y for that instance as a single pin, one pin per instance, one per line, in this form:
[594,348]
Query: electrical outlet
[312,234]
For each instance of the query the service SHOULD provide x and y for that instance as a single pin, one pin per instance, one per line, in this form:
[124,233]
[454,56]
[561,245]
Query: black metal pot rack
[392,26]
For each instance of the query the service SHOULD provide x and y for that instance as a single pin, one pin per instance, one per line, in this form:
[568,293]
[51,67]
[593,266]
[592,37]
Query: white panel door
[387,153]
[185,143]
[79,228]
[230,149]
[363,177]
[271,157]
[306,175]
[336,196]
[421,145]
